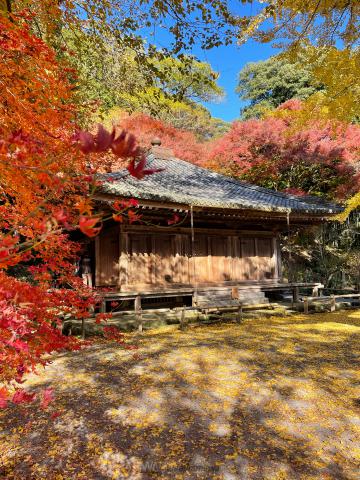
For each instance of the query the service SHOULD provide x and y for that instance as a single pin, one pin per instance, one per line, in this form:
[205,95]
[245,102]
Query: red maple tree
[184,144]
[48,176]
[319,159]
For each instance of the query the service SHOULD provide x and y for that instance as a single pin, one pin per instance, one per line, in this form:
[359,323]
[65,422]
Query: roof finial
[156,142]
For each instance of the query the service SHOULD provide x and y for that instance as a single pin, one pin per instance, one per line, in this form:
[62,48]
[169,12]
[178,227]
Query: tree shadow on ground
[272,399]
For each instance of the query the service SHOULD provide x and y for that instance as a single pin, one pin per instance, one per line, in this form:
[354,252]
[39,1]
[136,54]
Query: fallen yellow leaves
[269,399]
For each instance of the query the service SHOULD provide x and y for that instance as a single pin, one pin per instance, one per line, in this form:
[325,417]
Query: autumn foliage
[48,176]
[184,144]
[47,173]
[316,159]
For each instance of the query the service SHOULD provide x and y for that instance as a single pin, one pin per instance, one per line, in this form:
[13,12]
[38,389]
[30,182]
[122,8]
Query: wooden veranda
[223,248]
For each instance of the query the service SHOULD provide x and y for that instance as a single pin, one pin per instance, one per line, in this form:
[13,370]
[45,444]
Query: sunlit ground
[270,399]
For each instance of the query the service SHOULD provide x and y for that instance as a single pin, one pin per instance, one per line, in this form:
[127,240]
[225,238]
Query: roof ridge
[185,182]
[253,187]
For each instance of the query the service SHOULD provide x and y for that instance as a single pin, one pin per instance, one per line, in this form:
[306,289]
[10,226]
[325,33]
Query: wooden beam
[315,292]
[199,230]
[153,260]
[231,212]
[333,304]
[235,293]
[182,319]
[274,259]
[239,315]
[195,299]
[295,295]
[279,259]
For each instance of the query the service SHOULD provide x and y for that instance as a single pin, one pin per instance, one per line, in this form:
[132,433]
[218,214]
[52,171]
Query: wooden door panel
[107,258]
[181,259]
[199,263]
[248,258]
[141,262]
[236,260]
[265,258]
[158,259]
[164,257]
[220,261]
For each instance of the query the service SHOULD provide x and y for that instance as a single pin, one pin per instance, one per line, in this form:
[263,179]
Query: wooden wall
[158,259]
[107,249]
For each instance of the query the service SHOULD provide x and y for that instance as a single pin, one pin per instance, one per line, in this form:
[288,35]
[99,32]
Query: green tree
[169,89]
[115,67]
[328,254]
[269,83]
[114,76]
[188,79]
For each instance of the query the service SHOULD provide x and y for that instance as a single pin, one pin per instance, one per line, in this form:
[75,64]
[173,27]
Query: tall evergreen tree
[269,83]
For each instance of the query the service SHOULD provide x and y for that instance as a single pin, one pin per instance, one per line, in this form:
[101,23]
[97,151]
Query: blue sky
[228,61]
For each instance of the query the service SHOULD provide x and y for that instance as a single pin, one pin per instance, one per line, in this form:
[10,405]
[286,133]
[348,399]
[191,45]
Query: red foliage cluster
[123,144]
[271,152]
[184,144]
[48,177]
[30,326]
[45,192]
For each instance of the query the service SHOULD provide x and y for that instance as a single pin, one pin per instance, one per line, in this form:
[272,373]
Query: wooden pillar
[239,313]
[290,279]
[276,259]
[182,319]
[295,295]
[256,260]
[209,258]
[279,260]
[138,313]
[235,293]
[306,305]
[103,306]
[333,304]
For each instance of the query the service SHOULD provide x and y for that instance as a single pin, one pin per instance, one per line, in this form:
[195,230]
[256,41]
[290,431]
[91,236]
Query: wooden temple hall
[204,239]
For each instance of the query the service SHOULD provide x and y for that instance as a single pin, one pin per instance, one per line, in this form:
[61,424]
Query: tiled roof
[187,184]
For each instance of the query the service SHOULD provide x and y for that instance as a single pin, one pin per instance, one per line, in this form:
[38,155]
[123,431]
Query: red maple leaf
[139,171]
[125,145]
[87,226]
[103,139]
[3,397]
[18,345]
[48,397]
[21,396]
[61,216]
[133,217]
[118,217]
